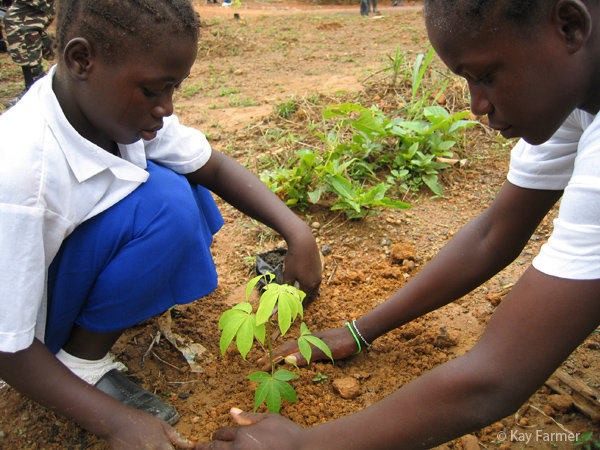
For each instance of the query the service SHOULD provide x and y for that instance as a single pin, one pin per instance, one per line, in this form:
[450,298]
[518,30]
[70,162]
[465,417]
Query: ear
[574,23]
[79,57]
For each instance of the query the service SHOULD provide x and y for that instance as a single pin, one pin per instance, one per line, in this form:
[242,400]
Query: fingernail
[292,359]
[235,411]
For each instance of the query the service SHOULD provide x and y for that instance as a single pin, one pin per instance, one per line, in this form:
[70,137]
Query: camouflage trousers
[25,24]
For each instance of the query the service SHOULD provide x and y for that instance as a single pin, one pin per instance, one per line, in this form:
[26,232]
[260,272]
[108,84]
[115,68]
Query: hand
[339,340]
[261,431]
[142,430]
[303,264]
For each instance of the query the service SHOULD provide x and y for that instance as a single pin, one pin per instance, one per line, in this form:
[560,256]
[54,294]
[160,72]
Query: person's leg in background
[374,5]
[25,23]
[364,7]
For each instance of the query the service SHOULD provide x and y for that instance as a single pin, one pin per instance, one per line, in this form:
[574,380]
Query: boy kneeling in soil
[106,214]
[533,67]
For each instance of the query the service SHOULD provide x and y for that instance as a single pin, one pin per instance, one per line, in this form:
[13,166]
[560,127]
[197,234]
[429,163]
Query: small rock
[523,421]
[494,299]
[409,264]
[2,434]
[549,411]
[326,250]
[469,442]
[444,340]
[560,402]
[184,395]
[348,387]
[400,252]
[315,225]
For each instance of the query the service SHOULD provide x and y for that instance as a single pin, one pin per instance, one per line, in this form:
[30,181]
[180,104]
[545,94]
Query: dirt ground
[247,67]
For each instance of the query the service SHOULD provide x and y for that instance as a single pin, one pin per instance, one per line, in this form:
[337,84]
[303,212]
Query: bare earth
[245,69]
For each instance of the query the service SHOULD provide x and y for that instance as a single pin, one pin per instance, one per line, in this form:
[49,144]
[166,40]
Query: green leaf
[284,375]
[319,344]
[287,392]
[259,377]
[231,321]
[260,395]
[284,315]
[245,336]
[267,304]
[259,332]
[252,283]
[305,348]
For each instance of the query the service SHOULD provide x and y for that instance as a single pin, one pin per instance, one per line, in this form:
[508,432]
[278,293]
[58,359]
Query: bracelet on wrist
[355,337]
[360,334]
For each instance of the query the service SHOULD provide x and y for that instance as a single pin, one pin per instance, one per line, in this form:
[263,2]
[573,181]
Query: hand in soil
[148,432]
[303,264]
[261,431]
[340,342]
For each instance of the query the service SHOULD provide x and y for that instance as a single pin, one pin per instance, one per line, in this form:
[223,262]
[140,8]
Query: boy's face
[526,84]
[127,100]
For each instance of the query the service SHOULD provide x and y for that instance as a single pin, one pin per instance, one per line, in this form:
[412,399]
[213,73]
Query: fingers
[224,434]
[243,418]
[176,438]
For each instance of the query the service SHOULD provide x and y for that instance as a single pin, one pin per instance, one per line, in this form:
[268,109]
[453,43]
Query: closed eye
[149,93]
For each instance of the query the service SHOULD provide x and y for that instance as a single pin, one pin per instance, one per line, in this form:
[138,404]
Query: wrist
[365,333]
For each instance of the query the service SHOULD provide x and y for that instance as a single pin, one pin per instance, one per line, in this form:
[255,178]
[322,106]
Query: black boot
[31,74]
[3,46]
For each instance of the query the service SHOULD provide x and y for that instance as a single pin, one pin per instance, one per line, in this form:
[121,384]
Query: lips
[150,133]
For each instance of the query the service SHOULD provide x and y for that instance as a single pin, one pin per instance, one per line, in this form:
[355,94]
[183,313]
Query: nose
[480,104]
[164,104]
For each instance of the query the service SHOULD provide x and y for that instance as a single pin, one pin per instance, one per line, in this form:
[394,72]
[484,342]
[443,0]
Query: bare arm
[478,251]
[533,330]
[242,189]
[35,372]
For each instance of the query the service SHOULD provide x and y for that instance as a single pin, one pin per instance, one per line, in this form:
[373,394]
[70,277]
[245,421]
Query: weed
[228,91]
[286,109]
[587,441]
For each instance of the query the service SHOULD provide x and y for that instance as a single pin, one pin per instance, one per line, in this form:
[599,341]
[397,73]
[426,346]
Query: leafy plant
[383,153]
[587,441]
[286,109]
[241,323]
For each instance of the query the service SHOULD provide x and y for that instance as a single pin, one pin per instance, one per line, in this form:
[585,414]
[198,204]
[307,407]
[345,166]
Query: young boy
[533,67]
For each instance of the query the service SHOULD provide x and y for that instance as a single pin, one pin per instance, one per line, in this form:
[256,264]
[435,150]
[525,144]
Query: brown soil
[246,67]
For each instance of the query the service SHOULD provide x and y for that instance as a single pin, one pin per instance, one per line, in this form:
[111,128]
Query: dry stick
[561,426]
[583,396]
[168,363]
[155,340]
[332,273]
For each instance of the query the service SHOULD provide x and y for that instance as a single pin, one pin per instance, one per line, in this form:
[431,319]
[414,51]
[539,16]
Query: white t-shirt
[51,180]
[570,160]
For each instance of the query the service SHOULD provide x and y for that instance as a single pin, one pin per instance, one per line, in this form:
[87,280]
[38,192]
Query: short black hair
[521,12]
[114,25]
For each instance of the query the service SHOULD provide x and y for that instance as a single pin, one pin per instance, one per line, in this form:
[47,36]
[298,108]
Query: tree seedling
[241,323]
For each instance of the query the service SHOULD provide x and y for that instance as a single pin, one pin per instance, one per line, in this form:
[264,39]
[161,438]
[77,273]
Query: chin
[537,139]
